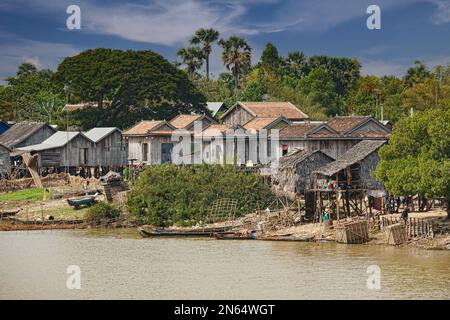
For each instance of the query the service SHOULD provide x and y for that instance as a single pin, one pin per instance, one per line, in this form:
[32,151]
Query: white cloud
[443,11]
[399,67]
[42,54]
[383,68]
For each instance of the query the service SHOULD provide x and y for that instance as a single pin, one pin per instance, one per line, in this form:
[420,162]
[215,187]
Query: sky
[35,30]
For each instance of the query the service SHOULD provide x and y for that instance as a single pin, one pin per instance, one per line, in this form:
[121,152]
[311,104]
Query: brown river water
[119,264]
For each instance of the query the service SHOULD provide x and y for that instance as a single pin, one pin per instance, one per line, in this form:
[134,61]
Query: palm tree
[192,57]
[205,37]
[236,56]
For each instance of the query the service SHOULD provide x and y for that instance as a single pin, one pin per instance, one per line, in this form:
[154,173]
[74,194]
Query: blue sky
[35,30]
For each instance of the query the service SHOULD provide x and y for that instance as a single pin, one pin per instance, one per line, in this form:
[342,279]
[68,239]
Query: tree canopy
[417,158]
[137,84]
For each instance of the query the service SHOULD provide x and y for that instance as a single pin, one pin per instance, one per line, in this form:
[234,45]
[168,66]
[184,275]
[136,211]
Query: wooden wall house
[64,150]
[150,142]
[5,163]
[111,148]
[294,175]
[334,137]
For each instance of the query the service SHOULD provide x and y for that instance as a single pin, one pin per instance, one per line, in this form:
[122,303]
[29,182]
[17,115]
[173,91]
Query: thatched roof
[293,158]
[356,154]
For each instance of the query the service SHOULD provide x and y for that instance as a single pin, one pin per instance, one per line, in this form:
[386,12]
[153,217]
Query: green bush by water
[167,194]
[101,211]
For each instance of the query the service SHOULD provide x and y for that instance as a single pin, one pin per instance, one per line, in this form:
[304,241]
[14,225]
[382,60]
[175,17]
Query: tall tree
[270,60]
[192,58]
[205,38]
[236,56]
[416,160]
[29,89]
[416,74]
[137,84]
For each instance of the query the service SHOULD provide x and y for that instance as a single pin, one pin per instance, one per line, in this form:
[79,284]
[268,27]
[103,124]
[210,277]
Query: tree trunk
[448,208]
[207,67]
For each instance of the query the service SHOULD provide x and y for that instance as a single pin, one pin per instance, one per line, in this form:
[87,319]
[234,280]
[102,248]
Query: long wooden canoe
[176,233]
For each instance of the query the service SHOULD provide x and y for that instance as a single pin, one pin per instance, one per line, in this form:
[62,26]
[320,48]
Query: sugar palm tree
[236,56]
[205,38]
[192,57]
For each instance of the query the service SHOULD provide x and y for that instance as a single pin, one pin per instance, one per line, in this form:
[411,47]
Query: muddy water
[120,264]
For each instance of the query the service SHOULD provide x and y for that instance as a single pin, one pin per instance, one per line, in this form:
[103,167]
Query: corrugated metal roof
[214,107]
[97,134]
[19,132]
[59,139]
[355,154]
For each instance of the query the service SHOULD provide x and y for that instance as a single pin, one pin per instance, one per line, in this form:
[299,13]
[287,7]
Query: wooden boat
[175,233]
[46,222]
[287,238]
[235,236]
[8,213]
[82,201]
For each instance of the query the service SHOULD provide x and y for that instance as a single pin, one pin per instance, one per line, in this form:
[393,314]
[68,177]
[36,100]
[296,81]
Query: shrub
[168,194]
[100,211]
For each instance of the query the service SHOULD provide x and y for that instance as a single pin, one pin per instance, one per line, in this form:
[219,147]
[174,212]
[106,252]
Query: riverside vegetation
[166,195]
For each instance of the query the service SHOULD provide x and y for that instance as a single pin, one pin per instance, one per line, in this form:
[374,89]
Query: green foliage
[205,38]
[417,158]
[168,194]
[101,211]
[192,58]
[236,57]
[138,85]
[31,95]
[270,60]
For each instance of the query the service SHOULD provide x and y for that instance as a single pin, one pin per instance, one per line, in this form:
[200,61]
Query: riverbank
[36,215]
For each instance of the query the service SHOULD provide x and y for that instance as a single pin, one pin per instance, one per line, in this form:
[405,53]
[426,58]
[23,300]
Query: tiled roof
[297,130]
[275,109]
[184,120]
[345,124]
[213,129]
[19,132]
[143,127]
[84,105]
[259,123]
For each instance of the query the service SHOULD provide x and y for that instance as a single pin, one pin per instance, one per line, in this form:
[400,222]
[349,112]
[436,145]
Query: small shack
[64,150]
[111,149]
[294,175]
[5,163]
[341,186]
[353,169]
